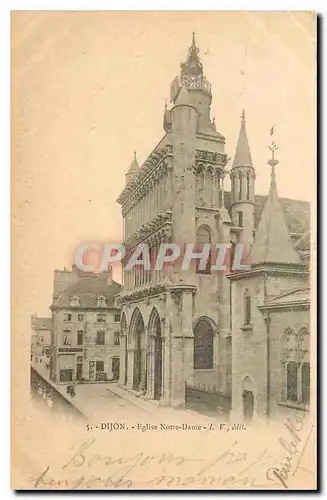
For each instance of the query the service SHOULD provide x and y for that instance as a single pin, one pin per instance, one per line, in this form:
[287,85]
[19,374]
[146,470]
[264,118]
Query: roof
[242,155]
[183,98]
[303,243]
[272,242]
[294,296]
[299,298]
[134,166]
[88,289]
[39,323]
[296,212]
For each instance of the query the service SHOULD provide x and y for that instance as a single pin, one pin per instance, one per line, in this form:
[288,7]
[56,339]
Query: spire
[193,64]
[243,155]
[134,165]
[272,242]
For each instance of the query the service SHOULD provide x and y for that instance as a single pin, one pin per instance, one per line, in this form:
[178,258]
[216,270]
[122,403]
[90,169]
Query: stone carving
[211,156]
[141,293]
[160,221]
[153,161]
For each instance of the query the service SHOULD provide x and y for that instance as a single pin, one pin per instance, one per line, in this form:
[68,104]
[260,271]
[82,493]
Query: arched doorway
[139,363]
[155,332]
[248,399]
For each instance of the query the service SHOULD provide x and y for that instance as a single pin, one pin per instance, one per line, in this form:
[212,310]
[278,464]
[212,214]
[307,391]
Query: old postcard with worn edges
[164,250]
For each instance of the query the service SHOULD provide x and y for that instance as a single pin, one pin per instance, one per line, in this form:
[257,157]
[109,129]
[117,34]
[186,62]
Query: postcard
[163,250]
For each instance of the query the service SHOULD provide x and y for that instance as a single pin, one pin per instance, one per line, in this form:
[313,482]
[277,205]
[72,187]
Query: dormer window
[101,301]
[74,301]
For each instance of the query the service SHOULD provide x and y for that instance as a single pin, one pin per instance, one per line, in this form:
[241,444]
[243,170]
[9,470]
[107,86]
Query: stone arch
[204,330]
[156,354]
[247,383]
[208,319]
[154,324]
[303,358]
[248,391]
[136,319]
[137,343]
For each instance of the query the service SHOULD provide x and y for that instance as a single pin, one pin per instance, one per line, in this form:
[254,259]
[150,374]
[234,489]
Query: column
[244,185]
[222,192]
[130,367]
[166,358]
[150,368]
[217,187]
[169,188]
[142,385]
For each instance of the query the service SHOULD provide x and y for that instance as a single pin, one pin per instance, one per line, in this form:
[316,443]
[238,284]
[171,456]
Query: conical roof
[242,156]
[183,98]
[272,243]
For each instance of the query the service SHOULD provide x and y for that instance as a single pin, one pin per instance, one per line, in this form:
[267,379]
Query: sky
[88,88]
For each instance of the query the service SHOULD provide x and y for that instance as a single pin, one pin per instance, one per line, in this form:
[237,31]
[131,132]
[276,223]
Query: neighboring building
[86,327]
[41,339]
[185,328]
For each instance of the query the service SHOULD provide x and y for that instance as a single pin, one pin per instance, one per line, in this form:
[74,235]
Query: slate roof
[242,155]
[39,323]
[272,242]
[296,212]
[88,289]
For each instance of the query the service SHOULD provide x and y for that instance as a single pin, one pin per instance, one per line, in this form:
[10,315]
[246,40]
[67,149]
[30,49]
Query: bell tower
[242,186]
[192,78]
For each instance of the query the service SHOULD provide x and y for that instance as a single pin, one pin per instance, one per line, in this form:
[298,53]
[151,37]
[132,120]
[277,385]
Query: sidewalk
[159,412]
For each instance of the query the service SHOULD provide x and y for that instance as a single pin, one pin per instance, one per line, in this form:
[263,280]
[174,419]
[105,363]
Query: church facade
[231,331]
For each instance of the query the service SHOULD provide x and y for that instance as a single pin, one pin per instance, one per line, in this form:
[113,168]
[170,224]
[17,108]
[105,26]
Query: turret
[133,169]
[184,121]
[242,182]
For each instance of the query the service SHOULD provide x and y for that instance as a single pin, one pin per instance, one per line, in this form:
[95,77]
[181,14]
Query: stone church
[241,337]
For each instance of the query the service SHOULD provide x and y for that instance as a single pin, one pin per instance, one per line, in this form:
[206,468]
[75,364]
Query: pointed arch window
[203,345]
[248,186]
[240,186]
[203,236]
[200,186]
[296,366]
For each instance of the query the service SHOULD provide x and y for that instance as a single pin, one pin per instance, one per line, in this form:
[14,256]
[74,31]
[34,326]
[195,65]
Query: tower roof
[242,156]
[272,243]
[134,167]
[183,98]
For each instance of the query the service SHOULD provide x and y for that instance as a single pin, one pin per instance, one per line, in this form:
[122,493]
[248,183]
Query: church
[236,342]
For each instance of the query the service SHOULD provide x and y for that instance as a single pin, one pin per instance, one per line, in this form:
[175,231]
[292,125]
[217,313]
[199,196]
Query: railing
[206,399]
